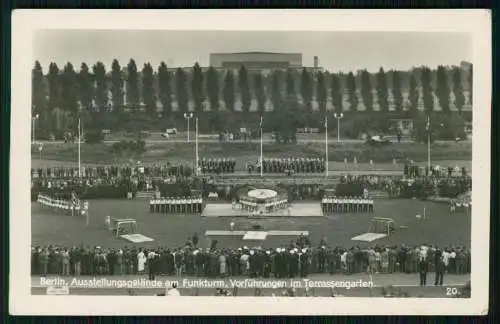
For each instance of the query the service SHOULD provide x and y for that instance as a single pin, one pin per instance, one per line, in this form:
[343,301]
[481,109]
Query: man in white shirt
[183,205]
[446,259]
[164,205]
[244,261]
[343,260]
[152,205]
[452,207]
[178,207]
[168,203]
[173,205]
[451,261]
[189,205]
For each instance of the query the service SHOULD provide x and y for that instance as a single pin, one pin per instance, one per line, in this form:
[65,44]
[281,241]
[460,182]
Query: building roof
[267,53]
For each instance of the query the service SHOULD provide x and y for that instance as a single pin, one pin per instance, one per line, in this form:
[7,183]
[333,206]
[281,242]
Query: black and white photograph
[250,162]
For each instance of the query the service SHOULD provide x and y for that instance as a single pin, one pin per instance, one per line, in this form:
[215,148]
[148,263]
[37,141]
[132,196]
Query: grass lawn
[439,228]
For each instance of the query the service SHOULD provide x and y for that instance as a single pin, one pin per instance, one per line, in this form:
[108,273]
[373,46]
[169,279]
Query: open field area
[443,153]
[439,228]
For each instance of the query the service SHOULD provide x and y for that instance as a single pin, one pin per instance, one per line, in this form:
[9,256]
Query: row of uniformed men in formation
[297,165]
[218,165]
[460,204]
[347,205]
[172,205]
[252,205]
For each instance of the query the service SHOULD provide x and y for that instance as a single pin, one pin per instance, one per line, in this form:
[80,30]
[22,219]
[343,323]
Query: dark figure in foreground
[423,268]
[440,268]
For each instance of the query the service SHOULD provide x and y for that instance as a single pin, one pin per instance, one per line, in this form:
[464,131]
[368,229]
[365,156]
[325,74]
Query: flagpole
[79,148]
[261,148]
[196,145]
[326,145]
[428,143]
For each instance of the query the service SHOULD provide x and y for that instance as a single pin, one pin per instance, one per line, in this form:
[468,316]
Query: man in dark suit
[423,268]
[195,239]
[152,264]
[439,268]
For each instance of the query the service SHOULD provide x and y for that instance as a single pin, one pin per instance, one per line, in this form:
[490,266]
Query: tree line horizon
[165,92]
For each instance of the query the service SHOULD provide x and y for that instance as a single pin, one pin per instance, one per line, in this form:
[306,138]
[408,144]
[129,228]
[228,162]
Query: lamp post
[33,126]
[79,148]
[326,145]
[188,116]
[196,146]
[339,116]
[261,146]
[428,129]
[40,149]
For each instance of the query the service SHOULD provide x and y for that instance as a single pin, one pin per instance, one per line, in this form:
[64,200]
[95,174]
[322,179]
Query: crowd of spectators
[108,181]
[112,171]
[295,260]
[370,182]
[420,187]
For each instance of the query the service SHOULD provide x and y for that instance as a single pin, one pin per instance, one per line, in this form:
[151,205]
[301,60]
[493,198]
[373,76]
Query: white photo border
[477,23]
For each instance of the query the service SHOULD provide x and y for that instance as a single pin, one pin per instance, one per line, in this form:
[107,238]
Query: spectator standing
[195,240]
[439,269]
[423,268]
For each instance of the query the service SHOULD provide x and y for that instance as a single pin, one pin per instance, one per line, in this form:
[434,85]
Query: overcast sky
[337,51]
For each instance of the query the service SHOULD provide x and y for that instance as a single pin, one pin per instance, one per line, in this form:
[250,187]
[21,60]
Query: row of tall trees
[97,91]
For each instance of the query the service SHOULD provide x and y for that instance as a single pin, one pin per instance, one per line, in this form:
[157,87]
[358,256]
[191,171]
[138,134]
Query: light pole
[188,116]
[196,145]
[261,146]
[339,116]
[326,145]
[33,126]
[79,148]
[40,149]
[428,129]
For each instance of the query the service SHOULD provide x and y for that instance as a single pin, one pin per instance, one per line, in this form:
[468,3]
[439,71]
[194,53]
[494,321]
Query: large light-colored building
[256,60]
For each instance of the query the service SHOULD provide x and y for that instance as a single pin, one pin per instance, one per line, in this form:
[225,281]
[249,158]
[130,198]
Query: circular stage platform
[261,201]
[262,194]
